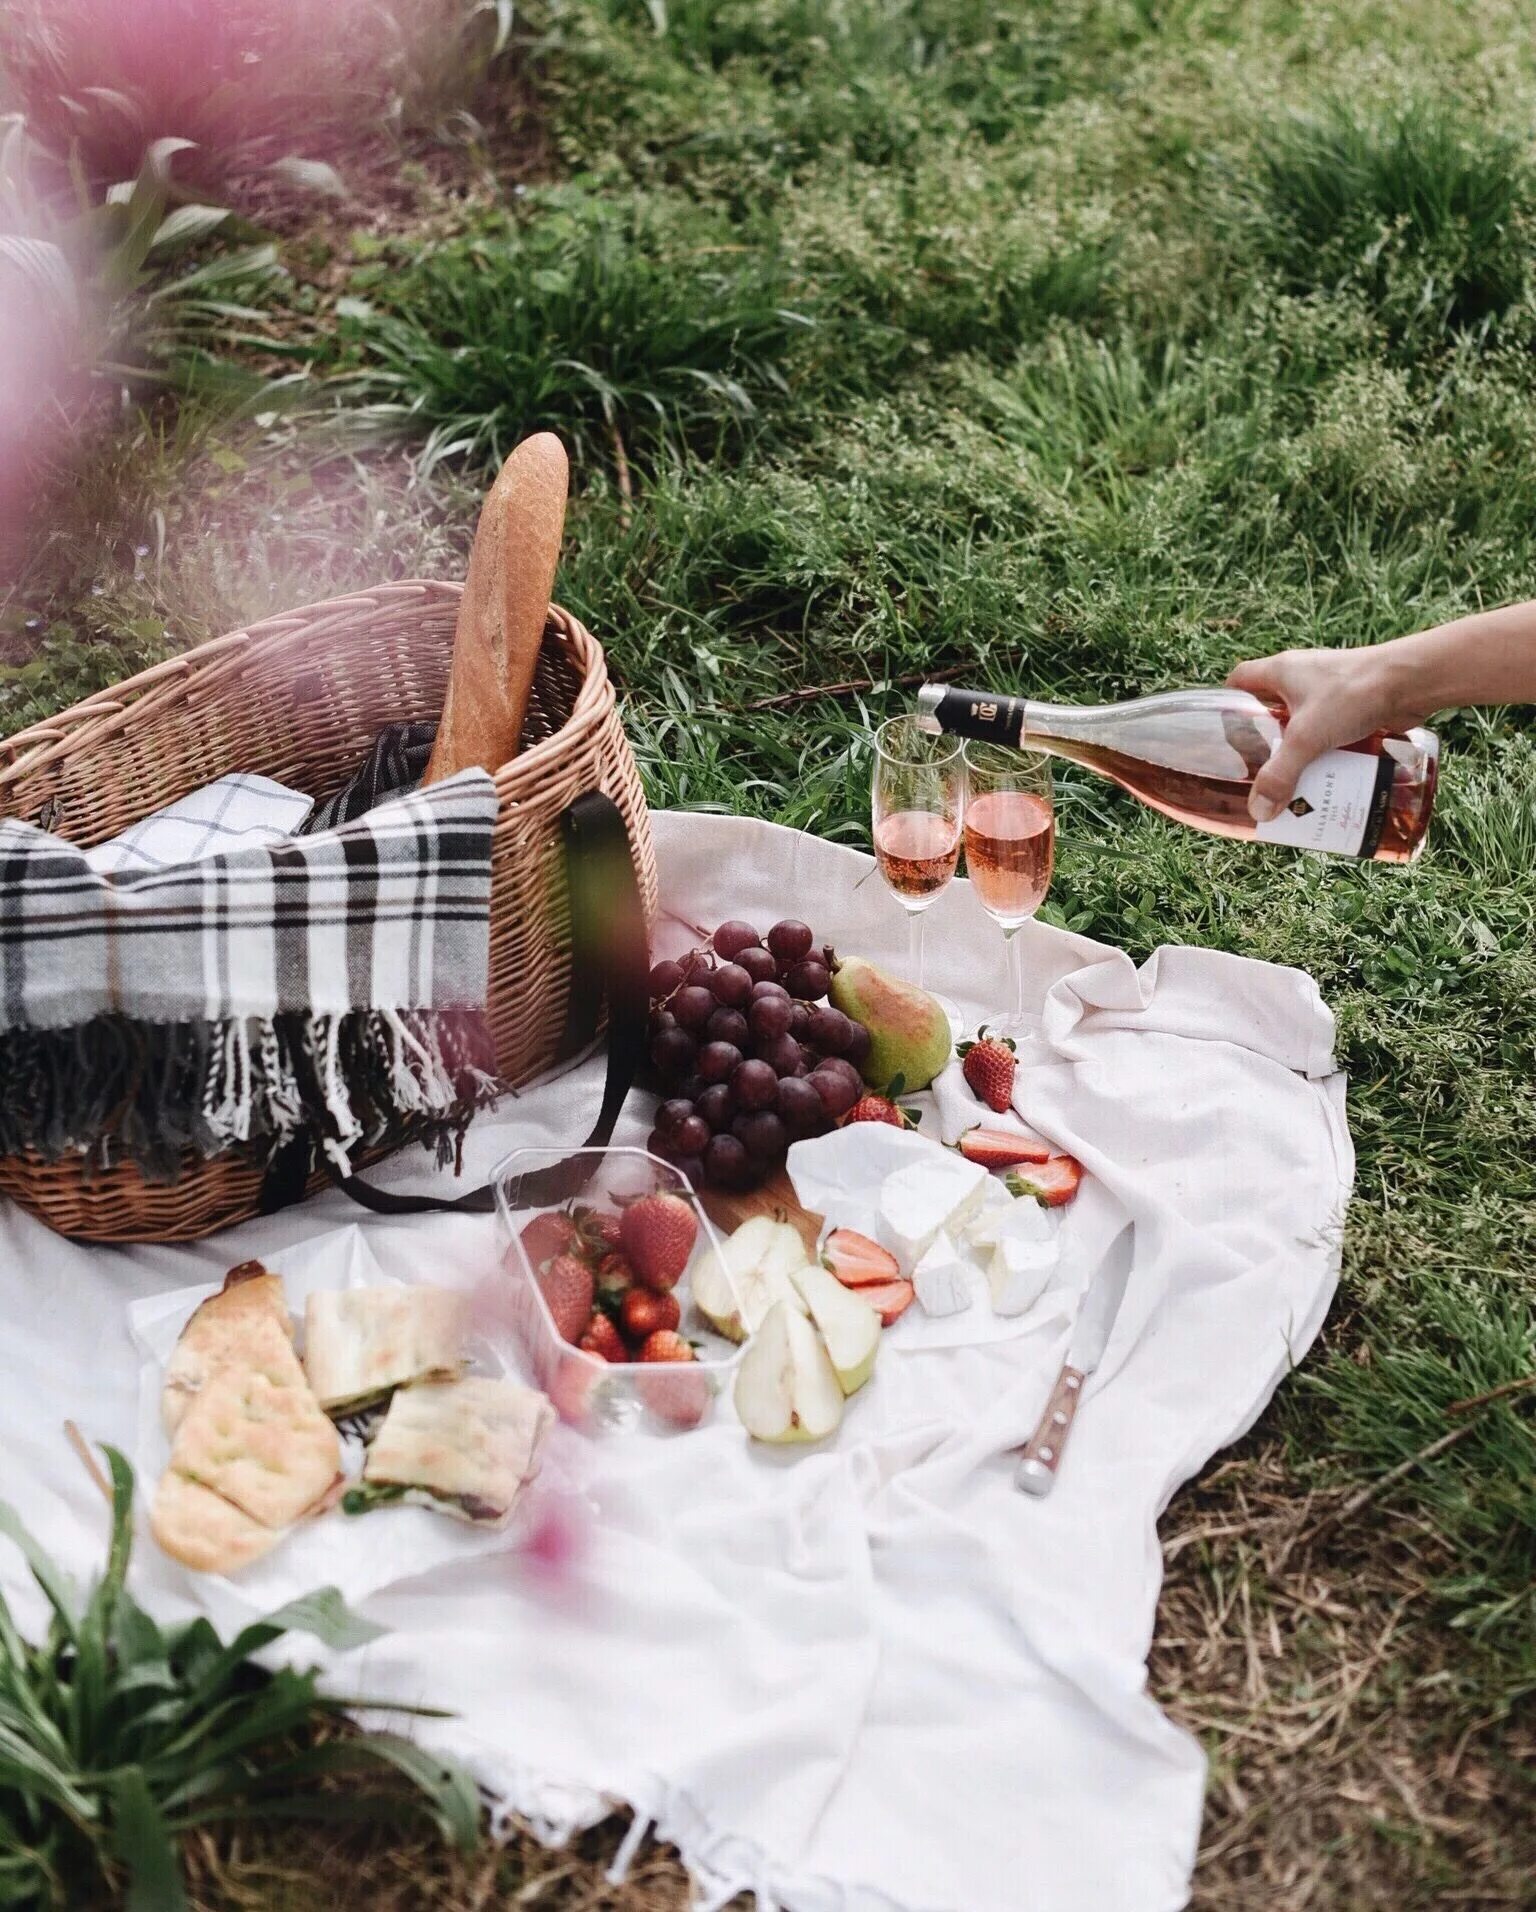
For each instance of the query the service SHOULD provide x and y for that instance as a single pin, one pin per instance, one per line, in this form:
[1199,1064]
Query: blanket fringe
[721,1866]
[115,1089]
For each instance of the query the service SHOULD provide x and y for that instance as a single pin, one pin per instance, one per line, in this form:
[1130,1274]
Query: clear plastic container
[589,1392]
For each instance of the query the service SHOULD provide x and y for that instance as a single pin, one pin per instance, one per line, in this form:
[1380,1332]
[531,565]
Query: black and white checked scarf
[335,981]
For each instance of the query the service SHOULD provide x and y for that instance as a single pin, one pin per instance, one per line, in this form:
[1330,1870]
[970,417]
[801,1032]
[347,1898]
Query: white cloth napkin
[869,1677]
[232,813]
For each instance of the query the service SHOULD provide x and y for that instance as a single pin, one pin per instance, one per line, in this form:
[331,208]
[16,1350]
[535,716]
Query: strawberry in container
[602,1247]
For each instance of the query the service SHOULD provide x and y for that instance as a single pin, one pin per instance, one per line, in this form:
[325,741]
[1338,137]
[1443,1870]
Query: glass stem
[1015,970]
[915,952]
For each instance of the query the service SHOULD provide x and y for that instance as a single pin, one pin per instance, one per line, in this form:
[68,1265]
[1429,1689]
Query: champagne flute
[1010,842]
[918,804]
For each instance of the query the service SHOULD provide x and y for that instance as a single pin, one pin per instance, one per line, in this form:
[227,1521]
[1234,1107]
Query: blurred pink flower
[108,76]
[41,320]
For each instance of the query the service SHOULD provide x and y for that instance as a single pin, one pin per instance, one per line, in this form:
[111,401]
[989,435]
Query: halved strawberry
[1051,1183]
[889,1299]
[857,1261]
[1002,1148]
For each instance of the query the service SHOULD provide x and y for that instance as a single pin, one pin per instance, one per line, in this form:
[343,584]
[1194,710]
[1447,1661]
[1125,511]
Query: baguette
[501,619]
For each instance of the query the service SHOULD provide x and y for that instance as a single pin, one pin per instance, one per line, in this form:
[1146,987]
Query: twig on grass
[1357,1503]
[1385,1482]
[1501,1393]
[621,473]
[88,1460]
[845,689]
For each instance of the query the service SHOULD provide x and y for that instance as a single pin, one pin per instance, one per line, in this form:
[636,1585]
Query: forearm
[1487,658]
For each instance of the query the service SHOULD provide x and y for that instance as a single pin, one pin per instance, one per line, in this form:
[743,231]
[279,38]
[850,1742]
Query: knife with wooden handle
[1042,1452]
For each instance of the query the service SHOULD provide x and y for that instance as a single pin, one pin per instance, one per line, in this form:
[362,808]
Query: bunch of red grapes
[750,1055]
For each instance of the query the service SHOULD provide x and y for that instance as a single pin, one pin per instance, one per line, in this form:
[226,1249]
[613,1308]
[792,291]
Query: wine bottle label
[991,716]
[1339,804]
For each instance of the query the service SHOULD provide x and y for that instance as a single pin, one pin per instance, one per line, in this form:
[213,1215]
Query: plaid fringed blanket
[335,981]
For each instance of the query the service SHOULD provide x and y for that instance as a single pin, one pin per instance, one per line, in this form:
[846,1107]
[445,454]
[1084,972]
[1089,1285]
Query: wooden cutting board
[728,1209]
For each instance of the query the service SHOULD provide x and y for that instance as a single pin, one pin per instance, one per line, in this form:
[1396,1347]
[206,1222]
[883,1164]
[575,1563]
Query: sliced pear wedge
[735,1286]
[849,1326]
[786,1386]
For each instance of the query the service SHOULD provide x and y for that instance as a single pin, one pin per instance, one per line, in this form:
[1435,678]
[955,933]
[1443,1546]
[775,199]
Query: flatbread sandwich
[242,1323]
[464,1448]
[251,1451]
[360,1344]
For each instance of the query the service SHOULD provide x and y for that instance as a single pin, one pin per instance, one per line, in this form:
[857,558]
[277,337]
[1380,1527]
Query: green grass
[1087,348]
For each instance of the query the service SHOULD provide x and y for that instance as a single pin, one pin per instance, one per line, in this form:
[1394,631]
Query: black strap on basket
[609,963]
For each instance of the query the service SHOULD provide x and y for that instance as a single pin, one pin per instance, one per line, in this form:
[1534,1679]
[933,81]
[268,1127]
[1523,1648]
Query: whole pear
[908,1031]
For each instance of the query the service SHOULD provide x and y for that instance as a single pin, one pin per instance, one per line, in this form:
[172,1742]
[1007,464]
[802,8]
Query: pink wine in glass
[1193,755]
[1010,838]
[917,852]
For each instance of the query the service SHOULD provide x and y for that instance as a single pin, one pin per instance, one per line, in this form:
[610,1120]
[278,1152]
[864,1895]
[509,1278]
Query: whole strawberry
[566,1285]
[666,1345]
[599,1230]
[603,1338]
[547,1235]
[877,1108]
[643,1313]
[988,1065]
[657,1233]
[679,1399]
[614,1275]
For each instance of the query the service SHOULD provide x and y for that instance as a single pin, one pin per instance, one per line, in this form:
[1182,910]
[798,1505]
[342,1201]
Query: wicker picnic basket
[301,698]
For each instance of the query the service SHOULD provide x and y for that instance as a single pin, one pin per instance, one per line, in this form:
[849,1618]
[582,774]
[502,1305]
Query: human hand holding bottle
[1333,697]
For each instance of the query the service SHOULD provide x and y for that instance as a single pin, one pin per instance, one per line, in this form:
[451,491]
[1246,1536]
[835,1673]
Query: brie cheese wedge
[940,1192]
[943,1278]
[984,1225]
[1019,1274]
[1024,1257]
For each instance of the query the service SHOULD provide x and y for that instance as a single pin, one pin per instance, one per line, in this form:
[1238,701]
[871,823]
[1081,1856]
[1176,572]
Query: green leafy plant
[1426,210]
[589,318]
[109,276]
[117,1736]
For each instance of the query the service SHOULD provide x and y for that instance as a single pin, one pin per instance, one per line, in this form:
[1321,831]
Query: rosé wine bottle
[1193,755]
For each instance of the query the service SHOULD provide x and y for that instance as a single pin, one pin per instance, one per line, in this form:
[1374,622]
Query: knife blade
[1041,1454]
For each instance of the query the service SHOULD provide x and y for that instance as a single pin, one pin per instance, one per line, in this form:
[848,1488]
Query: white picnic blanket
[869,1677]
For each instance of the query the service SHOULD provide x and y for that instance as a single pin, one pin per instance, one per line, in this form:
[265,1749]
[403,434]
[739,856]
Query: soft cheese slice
[982,1227]
[240,1324]
[1023,1258]
[362,1343]
[938,1192]
[1019,1274]
[464,1447]
[943,1278]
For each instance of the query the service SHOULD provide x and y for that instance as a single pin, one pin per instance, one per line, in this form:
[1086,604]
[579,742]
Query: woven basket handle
[609,963]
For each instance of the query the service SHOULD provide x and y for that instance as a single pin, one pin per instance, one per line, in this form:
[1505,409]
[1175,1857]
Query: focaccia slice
[463,1447]
[236,1325]
[260,1441]
[362,1343]
[195,1526]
